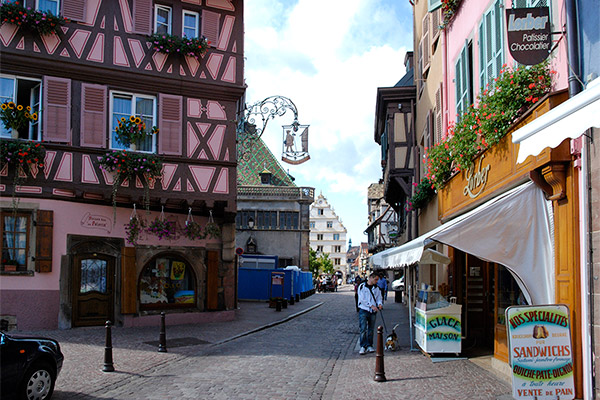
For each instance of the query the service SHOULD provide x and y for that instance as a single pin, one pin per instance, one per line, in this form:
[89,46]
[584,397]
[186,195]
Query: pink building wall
[465,26]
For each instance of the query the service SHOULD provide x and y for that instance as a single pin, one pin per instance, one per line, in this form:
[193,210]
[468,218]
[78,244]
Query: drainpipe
[572,47]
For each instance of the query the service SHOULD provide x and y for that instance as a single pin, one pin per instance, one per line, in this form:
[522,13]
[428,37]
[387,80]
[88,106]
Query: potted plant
[131,131]
[172,44]
[10,264]
[16,117]
[192,230]
[212,229]
[127,165]
[134,227]
[42,22]
[162,228]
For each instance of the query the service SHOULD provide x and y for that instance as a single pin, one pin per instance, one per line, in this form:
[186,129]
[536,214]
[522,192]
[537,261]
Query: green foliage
[449,8]
[313,263]
[172,44]
[498,106]
[424,192]
[318,264]
[44,23]
[20,153]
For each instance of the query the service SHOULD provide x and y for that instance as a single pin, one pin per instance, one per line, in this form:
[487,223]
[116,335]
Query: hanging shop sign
[541,358]
[528,32]
[295,144]
[476,179]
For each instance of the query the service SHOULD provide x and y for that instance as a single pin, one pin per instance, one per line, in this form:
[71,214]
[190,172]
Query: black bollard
[291,300]
[379,369]
[284,303]
[162,341]
[297,298]
[278,305]
[108,358]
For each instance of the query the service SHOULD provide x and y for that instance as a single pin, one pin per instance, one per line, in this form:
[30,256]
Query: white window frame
[196,28]
[334,236]
[37,6]
[330,224]
[134,96]
[32,134]
[169,23]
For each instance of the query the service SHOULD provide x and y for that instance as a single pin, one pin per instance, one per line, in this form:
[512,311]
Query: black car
[29,367]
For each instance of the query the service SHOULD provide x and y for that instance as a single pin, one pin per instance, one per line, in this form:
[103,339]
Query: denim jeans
[366,323]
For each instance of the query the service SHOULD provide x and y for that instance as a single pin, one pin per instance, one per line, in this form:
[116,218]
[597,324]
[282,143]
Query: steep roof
[258,159]
[407,80]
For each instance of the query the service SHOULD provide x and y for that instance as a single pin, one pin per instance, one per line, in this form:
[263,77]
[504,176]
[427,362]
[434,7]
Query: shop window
[22,92]
[509,293]
[125,105]
[50,6]
[167,282]
[15,240]
[190,24]
[162,20]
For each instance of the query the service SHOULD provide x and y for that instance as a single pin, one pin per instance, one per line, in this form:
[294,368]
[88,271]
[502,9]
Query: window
[23,92]
[266,220]
[162,21]
[312,225]
[167,282]
[329,224]
[242,218]
[337,261]
[319,249]
[288,220]
[337,249]
[491,54]
[15,240]
[320,212]
[190,24]
[124,105]
[320,236]
[464,79]
[336,236]
[51,6]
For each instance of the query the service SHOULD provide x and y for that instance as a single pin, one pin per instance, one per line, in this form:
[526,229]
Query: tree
[313,263]
[325,263]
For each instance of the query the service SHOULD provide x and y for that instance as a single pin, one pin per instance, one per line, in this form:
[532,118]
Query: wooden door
[480,301]
[93,289]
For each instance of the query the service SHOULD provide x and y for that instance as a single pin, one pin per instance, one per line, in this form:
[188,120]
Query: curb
[267,326]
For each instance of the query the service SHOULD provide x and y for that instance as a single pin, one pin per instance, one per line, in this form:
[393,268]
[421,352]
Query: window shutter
[434,31]
[463,85]
[438,115]
[93,115]
[74,9]
[56,113]
[498,36]
[426,48]
[43,240]
[491,55]
[169,124]
[142,16]
[210,26]
[128,281]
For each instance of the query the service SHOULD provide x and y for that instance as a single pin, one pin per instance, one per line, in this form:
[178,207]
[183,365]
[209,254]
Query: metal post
[162,341]
[297,298]
[108,358]
[278,304]
[379,369]
[291,300]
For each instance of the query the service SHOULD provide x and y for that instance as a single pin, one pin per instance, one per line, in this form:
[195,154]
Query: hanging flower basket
[449,8]
[134,227]
[192,230]
[212,230]
[44,23]
[424,192]
[132,131]
[171,44]
[127,165]
[162,228]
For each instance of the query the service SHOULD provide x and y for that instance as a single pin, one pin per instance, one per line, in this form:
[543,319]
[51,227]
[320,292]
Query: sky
[329,57]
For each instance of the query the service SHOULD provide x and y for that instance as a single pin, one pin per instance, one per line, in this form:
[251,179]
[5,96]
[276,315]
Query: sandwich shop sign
[541,357]
[528,32]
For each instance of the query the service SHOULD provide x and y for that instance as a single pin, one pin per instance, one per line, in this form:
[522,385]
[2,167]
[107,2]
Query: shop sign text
[528,32]
[476,180]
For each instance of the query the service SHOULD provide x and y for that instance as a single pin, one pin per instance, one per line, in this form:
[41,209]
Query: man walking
[383,287]
[369,302]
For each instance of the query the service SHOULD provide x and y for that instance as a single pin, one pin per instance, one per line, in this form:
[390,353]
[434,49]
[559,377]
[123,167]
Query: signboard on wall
[528,33]
[541,357]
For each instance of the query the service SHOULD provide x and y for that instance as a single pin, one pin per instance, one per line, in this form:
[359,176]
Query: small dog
[391,342]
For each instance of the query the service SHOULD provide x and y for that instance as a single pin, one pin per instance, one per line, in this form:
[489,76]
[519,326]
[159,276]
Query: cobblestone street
[312,355]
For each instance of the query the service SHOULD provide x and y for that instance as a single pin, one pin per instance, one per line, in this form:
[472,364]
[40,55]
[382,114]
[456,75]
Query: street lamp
[251,223]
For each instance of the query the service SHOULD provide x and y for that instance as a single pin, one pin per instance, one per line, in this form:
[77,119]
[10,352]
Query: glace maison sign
[528,32]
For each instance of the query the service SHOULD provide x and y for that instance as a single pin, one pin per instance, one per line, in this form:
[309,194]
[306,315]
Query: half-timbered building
[74,266]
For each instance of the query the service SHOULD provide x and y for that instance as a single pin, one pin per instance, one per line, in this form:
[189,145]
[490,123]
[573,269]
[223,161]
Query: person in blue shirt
[382,284]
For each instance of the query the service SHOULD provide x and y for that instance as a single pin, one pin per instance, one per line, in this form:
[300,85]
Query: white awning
[514,229]
[568,120]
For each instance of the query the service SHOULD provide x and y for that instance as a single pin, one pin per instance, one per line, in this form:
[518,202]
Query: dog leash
[380,311]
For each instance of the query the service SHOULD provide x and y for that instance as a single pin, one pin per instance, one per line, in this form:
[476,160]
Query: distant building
[383,229]
[328,234]
[352,255]
[272,212]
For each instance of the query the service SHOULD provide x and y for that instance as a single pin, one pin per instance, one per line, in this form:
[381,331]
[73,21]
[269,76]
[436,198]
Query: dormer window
[265,177]
[162,20]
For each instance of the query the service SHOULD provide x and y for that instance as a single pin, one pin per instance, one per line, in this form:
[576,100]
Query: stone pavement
[313,355]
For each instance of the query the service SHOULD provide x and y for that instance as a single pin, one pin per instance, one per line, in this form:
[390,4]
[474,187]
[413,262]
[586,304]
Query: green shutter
[463,86]
[491,54]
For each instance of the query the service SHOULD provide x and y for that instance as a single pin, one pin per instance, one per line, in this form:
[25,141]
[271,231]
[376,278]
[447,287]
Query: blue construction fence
[258,284]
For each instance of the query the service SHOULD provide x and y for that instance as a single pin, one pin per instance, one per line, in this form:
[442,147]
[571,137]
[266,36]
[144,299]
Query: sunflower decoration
[15,116]
[133,130]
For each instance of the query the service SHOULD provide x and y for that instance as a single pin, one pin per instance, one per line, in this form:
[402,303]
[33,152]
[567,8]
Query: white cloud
[328,57]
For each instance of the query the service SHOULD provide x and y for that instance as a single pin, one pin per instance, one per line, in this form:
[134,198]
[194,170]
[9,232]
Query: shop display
[166,282]
[437,323]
